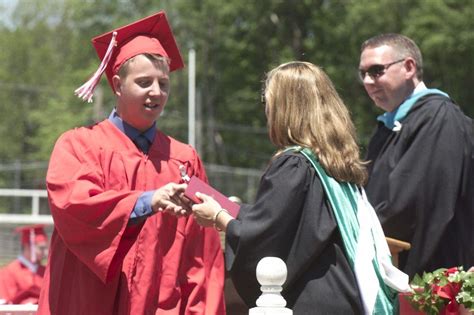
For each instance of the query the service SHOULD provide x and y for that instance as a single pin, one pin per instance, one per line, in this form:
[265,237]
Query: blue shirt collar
[28,264]
[130,131]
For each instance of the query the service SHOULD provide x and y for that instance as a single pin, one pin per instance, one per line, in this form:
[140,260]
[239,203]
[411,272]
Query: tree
[49,54]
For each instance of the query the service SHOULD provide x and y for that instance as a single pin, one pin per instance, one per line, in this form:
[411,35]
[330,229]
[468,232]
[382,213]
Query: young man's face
[40,253]
[142,92]
[390,88]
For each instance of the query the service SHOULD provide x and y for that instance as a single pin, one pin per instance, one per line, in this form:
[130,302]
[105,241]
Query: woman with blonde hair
[310,210]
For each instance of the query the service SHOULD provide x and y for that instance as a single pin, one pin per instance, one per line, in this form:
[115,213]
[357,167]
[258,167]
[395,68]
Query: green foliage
[443,30]
[431,291]
[46,53]
[466,295]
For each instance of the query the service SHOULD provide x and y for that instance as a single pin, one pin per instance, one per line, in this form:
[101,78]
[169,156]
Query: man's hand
[170,198]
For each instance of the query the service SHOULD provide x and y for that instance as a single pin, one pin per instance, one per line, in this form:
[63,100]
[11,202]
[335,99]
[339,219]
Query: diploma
[197,185]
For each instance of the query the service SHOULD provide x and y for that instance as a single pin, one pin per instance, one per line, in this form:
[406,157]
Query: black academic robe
[421,184]
[292,219]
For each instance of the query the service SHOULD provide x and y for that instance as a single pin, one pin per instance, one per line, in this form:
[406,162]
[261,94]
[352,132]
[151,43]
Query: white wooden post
[18,309]
[271,274]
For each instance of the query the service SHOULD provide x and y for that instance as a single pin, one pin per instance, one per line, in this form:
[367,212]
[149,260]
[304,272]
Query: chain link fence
[32,207]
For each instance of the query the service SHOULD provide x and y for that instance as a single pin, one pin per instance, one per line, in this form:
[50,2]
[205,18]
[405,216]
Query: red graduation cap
[149,35]
[32,234]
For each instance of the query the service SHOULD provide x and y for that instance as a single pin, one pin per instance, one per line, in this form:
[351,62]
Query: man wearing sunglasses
[421,177]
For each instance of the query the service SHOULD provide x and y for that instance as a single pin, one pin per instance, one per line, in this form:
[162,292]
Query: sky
[6,9]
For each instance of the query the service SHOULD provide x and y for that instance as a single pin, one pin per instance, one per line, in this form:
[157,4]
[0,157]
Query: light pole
[192,98]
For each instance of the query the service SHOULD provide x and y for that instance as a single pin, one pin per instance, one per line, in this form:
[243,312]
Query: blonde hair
[303,108]
[157,60]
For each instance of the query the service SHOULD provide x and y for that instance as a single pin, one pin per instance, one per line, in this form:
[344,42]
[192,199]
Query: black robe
[421,185]
[292,219]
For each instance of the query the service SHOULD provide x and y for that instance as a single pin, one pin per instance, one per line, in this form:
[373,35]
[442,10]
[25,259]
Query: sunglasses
[376,71]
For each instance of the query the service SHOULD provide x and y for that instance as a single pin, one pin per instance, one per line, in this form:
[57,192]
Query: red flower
[450,271]
[449,292]
[443,291]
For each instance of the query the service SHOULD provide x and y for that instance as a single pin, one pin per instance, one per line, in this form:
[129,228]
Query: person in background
[21,280]
[310,208]
[114,189]
[420,159]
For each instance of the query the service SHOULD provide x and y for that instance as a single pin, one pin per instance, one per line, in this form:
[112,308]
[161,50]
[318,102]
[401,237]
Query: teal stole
[364,242]
[391,119]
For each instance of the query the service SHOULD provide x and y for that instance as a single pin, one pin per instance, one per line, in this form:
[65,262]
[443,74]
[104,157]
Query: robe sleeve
[91,220]
[8,285]
[202,268]
[18,285]
[273,226]
[424,184]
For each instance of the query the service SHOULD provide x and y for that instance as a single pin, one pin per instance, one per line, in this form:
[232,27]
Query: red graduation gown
[98,264]
[20,285]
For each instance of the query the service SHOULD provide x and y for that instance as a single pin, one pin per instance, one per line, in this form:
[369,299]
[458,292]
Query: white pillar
[271,274]
[192,98]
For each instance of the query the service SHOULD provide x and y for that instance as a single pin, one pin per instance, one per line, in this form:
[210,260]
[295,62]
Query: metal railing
[26,218]
[232,181]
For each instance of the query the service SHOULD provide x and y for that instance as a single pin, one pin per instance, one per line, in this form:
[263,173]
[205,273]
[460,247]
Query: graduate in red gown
[21,280]
[114,189]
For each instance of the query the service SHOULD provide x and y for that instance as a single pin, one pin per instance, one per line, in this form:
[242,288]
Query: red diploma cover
[197,185]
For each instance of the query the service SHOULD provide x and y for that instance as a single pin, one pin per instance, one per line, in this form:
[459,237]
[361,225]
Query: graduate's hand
[169,198]
[205,212]
[186,203]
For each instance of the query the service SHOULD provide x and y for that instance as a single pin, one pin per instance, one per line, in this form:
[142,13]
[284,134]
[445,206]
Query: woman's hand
[210,213]
[205,212]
